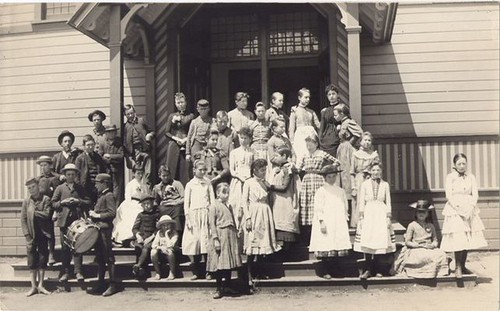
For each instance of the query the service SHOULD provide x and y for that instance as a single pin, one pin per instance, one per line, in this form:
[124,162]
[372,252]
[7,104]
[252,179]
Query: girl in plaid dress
[312,181]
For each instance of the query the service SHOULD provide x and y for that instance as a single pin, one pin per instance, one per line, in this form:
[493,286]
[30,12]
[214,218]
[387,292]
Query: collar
[66,154]
[344,118]
[105,191]
[134,121]
[200,181]
[37,199]
[100,130]
[169,182]
[182,113]
[70,186]
[460,174]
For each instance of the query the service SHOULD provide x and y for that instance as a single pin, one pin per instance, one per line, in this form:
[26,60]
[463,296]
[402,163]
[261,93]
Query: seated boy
[169,197]
[164,246]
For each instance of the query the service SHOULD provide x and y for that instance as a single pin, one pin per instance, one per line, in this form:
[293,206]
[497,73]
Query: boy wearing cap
[67,154]
[90,164]
[102,215]
[38,229]
[97,117]
[169,197]
[199,129]
[48,182]
[143,230]
[71,202]
[112,152]
[164,246]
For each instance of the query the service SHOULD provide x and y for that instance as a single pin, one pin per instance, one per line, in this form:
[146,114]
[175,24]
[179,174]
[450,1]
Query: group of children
[239,185]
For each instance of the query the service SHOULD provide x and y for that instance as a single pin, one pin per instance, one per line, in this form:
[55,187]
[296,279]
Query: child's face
[45,167]
[165,176]
[130,114]
[97,121]
[422,215]
[223,194]
[311,145]
[180,104]
[304,99]
[222,122]
[70,176]
[278,101]
[101,186]
[147,205]
[66,143]
[337,116]
[330,178]
[280,128]
[203,111]
[260,172]
[200,170]
[461,165]
[366,142]
[89,146]
[376,172]
[110,135]
[166,227]
[212,141]
[242,103]
[34,189]
[245,140]
[138,174]
[260,112]
[281,157]
[332,96]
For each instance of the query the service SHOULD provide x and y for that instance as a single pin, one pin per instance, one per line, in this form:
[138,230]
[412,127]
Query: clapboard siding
[135,85]
[12,14]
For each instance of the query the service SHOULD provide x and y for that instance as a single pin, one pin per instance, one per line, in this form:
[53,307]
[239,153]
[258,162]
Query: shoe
[79,277]
[194,277]
[32,292]
[136,269]
[170,276]
[466,271]
[208,276]
[218,294]
[365,275]
[110,291]
[97,290]
[52,261]
[327,276]
[43,291]
[156,277]
[64,278]
[230,291]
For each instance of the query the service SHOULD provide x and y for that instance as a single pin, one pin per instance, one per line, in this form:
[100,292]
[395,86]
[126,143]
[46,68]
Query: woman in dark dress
[177,129]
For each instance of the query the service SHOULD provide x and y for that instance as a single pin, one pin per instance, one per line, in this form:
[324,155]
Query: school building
[423,78]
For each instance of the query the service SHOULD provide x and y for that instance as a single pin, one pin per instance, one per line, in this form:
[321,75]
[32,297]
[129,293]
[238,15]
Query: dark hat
[422,205]
[103,178]
[44,158]
[165,219]
[70,167]
[31,181]
[99,112]
[110,128]
[146,197]
[330,169]
[65,133]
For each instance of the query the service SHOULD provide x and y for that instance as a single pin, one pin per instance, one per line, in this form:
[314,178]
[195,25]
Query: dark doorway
[248,81]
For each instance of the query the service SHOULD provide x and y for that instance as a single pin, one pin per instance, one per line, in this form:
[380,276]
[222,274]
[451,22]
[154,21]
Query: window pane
[293,33]
[57,9]
[235,36]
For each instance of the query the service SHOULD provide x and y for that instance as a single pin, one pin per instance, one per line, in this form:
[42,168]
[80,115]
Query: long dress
[328,133]
[261,240]
[311,182]
[373,235]
[223,226]
[360,163]
[348,132]
[330,206]
[198,196]
[303,123]
[127,211]
[462,227]
[176,154]
[421,263]
[240,160]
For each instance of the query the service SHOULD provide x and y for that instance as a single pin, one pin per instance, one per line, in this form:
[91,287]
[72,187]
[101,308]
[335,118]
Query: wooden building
[423,78]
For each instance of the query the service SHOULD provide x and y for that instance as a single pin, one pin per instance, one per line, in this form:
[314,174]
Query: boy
[90,164]
[38,230]
[240,117]
[199,129]
[169,197]
[102,215]
[143,231]
[112,152]
[261,132]
[217,161]
[97,117]
[48,182]
[228,139]
[70,201]
[164,246]
[67,154]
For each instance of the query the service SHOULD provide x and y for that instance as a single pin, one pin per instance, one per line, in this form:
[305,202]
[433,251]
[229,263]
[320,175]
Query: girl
[260,132]
[312,180]
[259,235]
[165,245]
[276,142]
[374,234]
[198,196]
[420,258]
[462,227]
[349,134]
[361,160]
[303,123]
[240,117]
[328,134]
[223,249]
[240,161]
[176,131]
[330,233]
[129,209]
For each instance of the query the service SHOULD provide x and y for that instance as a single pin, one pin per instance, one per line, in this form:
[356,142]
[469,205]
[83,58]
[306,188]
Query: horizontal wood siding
[13,14]
[423,166]
[134,85]
[439,75]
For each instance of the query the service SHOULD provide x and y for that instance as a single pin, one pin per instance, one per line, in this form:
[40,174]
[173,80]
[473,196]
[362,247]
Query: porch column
[354,57]
[115,68]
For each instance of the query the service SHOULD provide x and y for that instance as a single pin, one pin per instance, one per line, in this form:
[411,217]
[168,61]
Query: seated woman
[421,257]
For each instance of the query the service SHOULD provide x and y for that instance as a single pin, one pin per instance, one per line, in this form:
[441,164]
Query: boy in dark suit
[112,152]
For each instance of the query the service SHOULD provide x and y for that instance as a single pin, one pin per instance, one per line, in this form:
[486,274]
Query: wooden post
[264,66]
[116,67]
[332,47]
[354,72]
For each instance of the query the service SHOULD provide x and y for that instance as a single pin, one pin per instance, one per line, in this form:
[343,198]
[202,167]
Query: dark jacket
[116,153]
[82,162]
[68,213]
[59,161]
[142,130]
[106,208]
[41,209]
[145,224]
[48,183]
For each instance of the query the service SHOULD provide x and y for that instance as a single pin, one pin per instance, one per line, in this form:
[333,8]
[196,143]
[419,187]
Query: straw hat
[165,219]
[44,158]
[70,167]
[422,205]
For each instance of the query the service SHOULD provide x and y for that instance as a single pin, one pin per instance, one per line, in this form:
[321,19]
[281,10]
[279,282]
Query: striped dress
[312,181]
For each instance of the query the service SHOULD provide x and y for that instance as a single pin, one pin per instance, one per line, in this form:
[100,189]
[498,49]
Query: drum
[81,235]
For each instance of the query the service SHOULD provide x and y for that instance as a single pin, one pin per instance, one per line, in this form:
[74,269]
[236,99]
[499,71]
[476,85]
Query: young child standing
[361,161]
[374,235]
[165,246]
[169,197]
[276,142]
[199,129]
[330,233]
[198,196]
[223,248]
[216,160]
[258,224]
[421,257]
[260,132]
[143,231]
[462,227]
[240,161]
